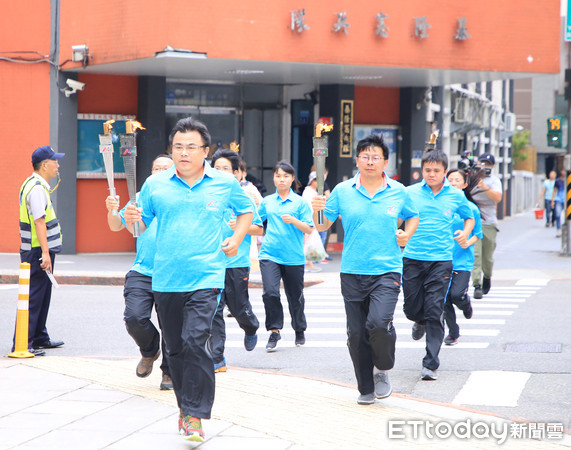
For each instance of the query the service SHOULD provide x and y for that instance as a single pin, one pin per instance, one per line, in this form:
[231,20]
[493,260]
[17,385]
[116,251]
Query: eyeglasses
[366,158]
[190,147]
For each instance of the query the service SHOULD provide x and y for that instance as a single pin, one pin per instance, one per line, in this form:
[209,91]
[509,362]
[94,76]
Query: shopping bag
[313,247]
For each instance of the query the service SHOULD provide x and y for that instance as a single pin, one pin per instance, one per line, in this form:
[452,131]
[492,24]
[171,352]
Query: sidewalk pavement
[72,402]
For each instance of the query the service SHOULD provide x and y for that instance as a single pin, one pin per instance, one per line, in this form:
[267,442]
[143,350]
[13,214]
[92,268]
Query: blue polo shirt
[463,258]
[433,239]
[283,242]
[242,259]
[190,221]
[370,224]
[146,248]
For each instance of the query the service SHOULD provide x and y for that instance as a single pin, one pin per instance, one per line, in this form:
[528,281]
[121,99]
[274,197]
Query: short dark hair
[230,155]
[434,156]
[243,165]
[162,155]
[189,124]
[373,140]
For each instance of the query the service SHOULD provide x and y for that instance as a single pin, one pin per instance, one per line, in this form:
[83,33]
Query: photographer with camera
[486,195]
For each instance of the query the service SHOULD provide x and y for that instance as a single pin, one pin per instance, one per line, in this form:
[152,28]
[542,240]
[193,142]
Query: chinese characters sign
[421,25]
[346,129]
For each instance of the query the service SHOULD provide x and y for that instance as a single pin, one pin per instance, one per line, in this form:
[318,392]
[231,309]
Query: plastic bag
[313,247]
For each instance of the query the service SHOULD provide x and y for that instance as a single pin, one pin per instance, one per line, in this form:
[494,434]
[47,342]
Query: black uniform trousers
[292,277]
[139,302]
[186,318]
[40,297]
[235,295]
[457,295]
[424,285]
[370,302]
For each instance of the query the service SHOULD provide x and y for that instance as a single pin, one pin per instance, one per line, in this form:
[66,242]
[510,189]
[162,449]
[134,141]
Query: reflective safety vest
[28,236]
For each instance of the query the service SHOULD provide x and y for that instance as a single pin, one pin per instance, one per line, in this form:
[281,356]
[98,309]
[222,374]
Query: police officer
[40,235]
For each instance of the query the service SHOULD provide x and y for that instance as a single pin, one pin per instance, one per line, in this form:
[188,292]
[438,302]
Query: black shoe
[299,338]
[37,352]
[478,293]
[273,341]
[468,312]
[486,285]
[49,344]
[418,331]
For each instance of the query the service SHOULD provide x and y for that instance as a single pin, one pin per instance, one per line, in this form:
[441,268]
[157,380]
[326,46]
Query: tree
[520,142]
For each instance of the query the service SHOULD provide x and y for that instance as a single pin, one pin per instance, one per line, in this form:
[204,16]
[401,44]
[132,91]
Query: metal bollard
[23,315]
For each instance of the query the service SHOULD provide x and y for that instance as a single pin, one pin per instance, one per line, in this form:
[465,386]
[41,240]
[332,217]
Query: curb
[114,280]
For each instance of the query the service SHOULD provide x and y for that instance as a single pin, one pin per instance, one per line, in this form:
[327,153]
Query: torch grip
[136,230]
[113,193]
[320,218]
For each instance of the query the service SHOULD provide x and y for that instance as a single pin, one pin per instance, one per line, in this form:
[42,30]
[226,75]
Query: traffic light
[556,127]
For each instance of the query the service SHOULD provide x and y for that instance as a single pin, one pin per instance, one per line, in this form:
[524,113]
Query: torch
[106,149]
[129,153]
[319,155]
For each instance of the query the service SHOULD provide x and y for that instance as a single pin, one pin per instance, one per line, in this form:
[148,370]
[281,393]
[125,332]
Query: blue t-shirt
[463,258]
[190,221]
[370,224]
[283,242]
[146,248]
[433,239]
[242,259]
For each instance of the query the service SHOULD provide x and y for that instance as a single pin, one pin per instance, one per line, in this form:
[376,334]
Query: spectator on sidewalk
[558,200]
[235,293]
[188,202]
[462,262]
[545,197]
[40,236]
[138,292]
[427,258]
[288,217]
[486,195]
[371,205]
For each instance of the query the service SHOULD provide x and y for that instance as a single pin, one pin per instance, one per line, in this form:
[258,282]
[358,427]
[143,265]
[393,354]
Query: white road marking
[492,388]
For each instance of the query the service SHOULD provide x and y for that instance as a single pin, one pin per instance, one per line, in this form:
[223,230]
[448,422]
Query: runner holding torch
[106,149]
[319,154]
[129,154]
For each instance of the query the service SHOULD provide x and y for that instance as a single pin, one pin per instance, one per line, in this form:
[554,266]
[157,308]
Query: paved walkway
[70,402]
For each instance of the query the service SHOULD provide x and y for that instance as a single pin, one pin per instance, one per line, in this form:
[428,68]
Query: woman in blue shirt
[288,216]
[462,261]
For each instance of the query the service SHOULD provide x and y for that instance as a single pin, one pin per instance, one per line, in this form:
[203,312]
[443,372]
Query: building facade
[261,77]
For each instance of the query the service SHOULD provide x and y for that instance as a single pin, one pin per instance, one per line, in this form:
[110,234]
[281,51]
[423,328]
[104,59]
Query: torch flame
[433,137]
[107,126]
[234,146]
[322,128]
[132,126]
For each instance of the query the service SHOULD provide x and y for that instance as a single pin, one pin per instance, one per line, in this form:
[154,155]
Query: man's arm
[462,236]
[42,233]
[113,220]
[230,244]
[318,204]
[495,196]
[132,215]
[410,226]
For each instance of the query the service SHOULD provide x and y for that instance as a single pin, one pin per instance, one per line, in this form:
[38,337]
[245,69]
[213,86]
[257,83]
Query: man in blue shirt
[188,202]
[427,258]
[371,206]
[138,292]
[235,294]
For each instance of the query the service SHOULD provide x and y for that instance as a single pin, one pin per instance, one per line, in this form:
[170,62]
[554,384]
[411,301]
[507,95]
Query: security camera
[74,86]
